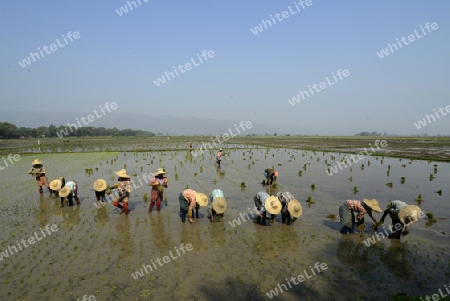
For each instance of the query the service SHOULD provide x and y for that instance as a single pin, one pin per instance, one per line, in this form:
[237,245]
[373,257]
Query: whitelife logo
[90,118]
[162,80]
[9,252]
[423,122]
[284,15]
[334,170]
[248,125]
[411,38]
[27,61]
[165,259]
[124,9]
[322,85]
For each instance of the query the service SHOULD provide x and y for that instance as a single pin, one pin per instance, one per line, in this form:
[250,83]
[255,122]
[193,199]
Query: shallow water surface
[95,250]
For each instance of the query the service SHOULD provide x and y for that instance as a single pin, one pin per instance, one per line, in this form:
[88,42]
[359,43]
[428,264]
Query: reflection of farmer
[43,215]
[291,209]
[188,201]
[158,183]
[347,210]
[219,156]
[70,190]
[219,171]
[266,203]
[271,176]
[397,209]
[71,217]
[123,187]
[218,204]
[38,171]
[56,186]
[100,187]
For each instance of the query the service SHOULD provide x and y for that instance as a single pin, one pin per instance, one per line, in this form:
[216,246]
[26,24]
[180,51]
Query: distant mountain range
[158,124]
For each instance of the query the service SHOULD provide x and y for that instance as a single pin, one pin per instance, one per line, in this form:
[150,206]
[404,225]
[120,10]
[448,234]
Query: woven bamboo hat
[100,185]
[410,214]
[201,199]
[159,171]
[219,205]
[373,204]
[273,205]
[295,208]
[36,162]
[55,184]
[65,191]
[122,173]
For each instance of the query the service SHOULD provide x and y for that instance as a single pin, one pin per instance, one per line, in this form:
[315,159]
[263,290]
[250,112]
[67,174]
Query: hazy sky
[251,77]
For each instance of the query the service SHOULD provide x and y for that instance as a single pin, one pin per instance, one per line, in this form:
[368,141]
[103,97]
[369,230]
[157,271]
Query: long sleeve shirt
[358,207]
[260,201]
[395,206]
[214,194]
[37,171]
[189,196]
[73,187]
[285,198]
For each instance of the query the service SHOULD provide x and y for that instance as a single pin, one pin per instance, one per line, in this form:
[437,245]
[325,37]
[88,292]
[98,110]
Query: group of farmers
[402,214]
[58,186]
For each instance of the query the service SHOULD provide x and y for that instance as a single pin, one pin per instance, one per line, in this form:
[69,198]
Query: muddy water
[95,251]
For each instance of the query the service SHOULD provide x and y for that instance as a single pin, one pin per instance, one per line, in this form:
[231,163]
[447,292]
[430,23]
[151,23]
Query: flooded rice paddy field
[95,251]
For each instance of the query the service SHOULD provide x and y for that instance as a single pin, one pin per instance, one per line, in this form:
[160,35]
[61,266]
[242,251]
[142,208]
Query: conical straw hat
[100,185]
[36,162]
[273,205]
[201,199]
[219,205]
[64,191]
[295,208]
[55,184]
[122,173]
[373,204]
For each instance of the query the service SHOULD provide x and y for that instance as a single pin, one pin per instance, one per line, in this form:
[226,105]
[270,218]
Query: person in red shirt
[158,183]
[123,187]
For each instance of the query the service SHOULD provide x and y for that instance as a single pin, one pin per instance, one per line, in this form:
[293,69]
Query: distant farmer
[266,203]
[100,187]
[189,146]
[219,156]
[38,171]
[70,190]
[123,187]
[347,216]
[409,214]
[271,176]
[218,204]
[188,201]
[56,186]
[291,209]
[158,183]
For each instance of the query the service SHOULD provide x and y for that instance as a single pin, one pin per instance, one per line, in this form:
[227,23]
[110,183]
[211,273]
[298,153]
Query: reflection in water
[102,216]
[126,243]
[191,234]
[220,172]
[396,260]
[71,216]
[160,239]
[218,233]
[352,252]
[43,214]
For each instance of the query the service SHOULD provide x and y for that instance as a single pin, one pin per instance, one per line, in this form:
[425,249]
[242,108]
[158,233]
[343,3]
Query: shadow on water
[231,289]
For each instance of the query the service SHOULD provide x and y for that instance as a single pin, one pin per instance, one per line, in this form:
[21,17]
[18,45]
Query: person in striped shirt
[347,214]
[188,201]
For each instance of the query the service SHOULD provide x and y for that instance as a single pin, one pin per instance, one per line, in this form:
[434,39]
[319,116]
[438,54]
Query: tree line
[11,131]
